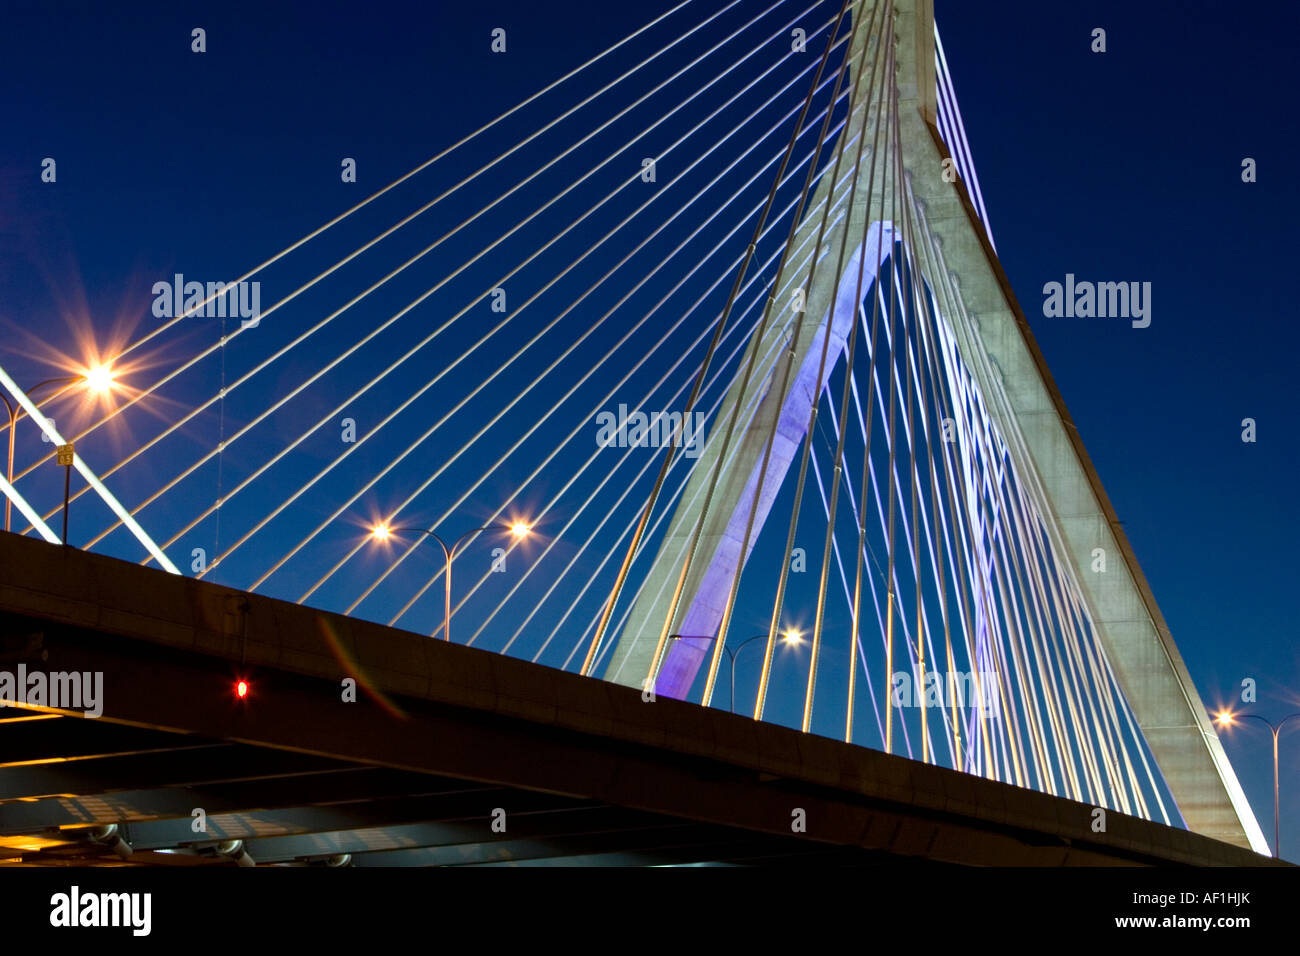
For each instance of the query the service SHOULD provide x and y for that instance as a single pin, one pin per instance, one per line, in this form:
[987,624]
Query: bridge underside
[294,809]
[440,738]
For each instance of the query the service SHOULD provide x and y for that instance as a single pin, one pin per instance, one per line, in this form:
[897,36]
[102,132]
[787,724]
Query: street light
[1225,719]
[98,379]
[789,636]
[382,532]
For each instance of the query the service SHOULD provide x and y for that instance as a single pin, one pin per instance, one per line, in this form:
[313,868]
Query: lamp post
[99,379]
[1225,719]
[382,532]
[790,636]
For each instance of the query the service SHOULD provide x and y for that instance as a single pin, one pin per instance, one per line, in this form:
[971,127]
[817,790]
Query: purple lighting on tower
[704,613]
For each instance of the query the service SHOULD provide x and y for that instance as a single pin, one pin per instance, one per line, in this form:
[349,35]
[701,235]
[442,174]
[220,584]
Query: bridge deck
[585,770]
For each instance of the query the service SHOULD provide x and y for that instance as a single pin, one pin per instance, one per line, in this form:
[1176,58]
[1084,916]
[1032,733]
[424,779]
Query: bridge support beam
[997,344]
[998,348]
[830,298]
[700,614]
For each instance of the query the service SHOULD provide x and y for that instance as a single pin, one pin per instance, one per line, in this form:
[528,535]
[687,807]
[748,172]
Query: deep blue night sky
[1117,166]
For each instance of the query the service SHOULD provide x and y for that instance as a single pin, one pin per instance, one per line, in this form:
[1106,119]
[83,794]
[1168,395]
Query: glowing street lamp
[382,532]
[99,379]
[789,637]
[1225,719]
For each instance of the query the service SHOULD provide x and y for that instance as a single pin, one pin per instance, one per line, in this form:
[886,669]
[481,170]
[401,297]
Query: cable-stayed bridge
[718,319]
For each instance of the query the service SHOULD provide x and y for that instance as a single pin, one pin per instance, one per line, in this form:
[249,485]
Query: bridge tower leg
[828,297]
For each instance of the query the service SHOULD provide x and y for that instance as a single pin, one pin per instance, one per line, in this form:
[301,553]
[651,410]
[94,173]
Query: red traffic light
[241,689]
